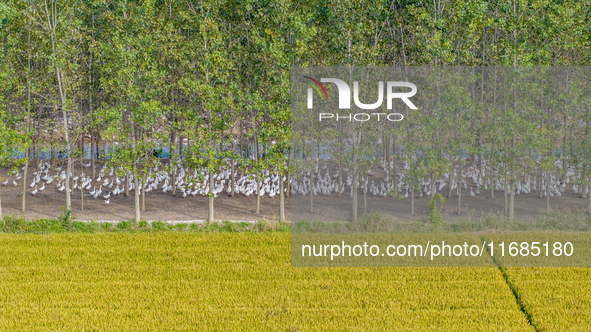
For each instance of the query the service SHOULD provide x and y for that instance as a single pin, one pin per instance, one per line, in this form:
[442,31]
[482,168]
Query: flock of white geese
[108,183]
[325,182]
[195,182]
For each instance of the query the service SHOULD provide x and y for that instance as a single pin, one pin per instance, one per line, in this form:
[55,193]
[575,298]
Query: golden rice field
[244,282]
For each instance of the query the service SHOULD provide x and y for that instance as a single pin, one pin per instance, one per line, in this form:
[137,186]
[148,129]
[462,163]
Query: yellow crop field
[228,282]
[557,299]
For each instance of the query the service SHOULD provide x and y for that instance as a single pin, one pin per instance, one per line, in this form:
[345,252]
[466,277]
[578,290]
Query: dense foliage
[210,79]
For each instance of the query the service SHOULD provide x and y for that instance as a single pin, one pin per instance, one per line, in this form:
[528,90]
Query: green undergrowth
[65,224]
[563,220]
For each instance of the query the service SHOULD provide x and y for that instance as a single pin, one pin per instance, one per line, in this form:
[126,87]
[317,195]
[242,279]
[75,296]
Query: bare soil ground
[527,207]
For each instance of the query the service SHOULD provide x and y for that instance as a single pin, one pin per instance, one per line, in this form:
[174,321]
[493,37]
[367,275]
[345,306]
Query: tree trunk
[412,202]
[172,163]
[92,154]
[311,188]
[52,153]
[340,177]
[104,151]
[232,170]
[451,171]
[68,170]
[505,190]
[24,185]
[511,200]
[80,178]
[433,187]
[180,147]
[365,198]
[281,200]
[144,192]
[2,217]
[394,169]
[258,179]
[126,184]
[547,193]
[210,215]
[355,186]
[563,177]
[288,181]
[258,208]
[541,183]
[173,166]
[461,177]
[492,177]
[136,192]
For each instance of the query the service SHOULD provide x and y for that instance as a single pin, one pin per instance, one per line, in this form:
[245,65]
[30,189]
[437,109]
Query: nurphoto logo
[344,99]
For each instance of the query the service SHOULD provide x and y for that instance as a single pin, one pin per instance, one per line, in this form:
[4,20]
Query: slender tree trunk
[365,198]
[540,188]
[24,184]
[505,191]
[433,187]
[69,166]
[340,170]
[126,184]
[288,180]
[33,155]
[355,187]
[258,178]
[492,176]
[136,192]
[72,177]
[1,216]
[481,157]
[232,170]
[451,178]
[311,187]
[52,153]
[63,98]
[180,147]
[28,128]
[281,200]
[461,177]
[547,193]
[385,147]
[511,200]
[394,168]
[173,165]
[144,192]
[104,151]
[412,201]
[80,178]
[258,208]
[563,156]
[92,154]
[210,214]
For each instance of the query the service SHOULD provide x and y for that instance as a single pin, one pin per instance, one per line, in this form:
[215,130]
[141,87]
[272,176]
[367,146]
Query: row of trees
[520,129]
[217,73]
